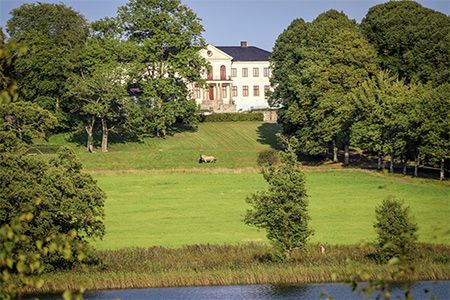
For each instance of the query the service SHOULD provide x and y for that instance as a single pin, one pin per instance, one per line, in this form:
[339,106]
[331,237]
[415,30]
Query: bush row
[231,117]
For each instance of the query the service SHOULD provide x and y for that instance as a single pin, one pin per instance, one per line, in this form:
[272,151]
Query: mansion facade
[238,80]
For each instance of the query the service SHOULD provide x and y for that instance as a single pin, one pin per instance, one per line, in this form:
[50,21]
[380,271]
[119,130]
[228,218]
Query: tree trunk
[380,161]
[441,177]
[104,135]
[335,152]
[405,166]
[347,150]
[416,166]
[391,167]
[90,131]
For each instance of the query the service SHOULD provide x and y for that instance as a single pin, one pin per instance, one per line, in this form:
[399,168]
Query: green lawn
[158,193]
[175,209]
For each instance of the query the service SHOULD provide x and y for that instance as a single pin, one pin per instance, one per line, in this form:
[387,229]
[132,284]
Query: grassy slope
[234,144]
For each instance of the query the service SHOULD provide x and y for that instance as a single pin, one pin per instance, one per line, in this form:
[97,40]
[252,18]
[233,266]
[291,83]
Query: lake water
[439,289]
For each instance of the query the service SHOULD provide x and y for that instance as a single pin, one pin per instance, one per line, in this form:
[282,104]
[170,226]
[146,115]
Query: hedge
[232,117]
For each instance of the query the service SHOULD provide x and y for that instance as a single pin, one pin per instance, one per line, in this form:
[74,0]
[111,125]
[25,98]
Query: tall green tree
[316,66]
[282,209]
[435,113]
[386,119]
[410,40]
[69,199]
[96,83]
[163,61]
[55,31]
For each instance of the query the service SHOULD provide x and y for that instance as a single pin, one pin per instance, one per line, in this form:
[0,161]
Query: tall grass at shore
[201,265]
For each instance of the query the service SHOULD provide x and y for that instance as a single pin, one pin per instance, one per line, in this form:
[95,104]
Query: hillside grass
[234,144]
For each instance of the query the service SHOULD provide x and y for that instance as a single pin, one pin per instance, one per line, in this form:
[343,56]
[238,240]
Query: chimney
[244,44]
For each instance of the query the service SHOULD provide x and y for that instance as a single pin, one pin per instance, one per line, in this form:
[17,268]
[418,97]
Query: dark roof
[246,53]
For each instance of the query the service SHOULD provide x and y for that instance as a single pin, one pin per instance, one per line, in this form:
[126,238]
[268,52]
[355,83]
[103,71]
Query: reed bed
[206,265]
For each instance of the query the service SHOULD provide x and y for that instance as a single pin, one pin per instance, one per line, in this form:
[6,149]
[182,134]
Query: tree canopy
[55,31]
[410,40]
[315,66]
[163,61]
[68,198]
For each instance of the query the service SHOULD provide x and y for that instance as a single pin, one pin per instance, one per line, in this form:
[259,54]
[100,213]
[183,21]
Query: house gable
[212,53]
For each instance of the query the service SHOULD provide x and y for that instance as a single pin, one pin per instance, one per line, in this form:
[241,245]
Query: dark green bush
[268,157]
[232,117]
[396,230]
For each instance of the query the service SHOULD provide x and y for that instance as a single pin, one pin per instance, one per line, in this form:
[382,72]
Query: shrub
[268,157]
[232,117]
[396,230]
[282,209]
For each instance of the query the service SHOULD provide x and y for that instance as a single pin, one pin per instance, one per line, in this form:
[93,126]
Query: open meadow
[171,221]
[159,195]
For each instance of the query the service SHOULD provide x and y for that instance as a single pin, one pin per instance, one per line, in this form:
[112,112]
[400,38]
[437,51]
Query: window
[233,72]
[266,89]
[245,91]
[266,72]
[255,72]
[256,90]
[234,91]
[223,73]
[244,72]
[198,93]
[224,92]
[210,75]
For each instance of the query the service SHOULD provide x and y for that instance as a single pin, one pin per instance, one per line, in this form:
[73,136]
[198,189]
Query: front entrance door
[211,93]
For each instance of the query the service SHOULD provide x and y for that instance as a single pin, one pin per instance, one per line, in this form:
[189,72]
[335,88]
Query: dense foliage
[316,65]
[163,60]
[227,117]
[411,40]
[56,32]
[282,209]
[326,84]
[396,230]
[69,199]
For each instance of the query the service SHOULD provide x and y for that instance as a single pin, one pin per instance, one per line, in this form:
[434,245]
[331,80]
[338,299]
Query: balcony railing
[218,78]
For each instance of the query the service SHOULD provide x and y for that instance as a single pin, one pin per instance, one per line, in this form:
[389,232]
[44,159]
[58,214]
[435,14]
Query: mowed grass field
[159,195]
[234,144]
[177,209]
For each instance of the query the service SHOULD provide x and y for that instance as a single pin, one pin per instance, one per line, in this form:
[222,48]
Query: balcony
[219,78]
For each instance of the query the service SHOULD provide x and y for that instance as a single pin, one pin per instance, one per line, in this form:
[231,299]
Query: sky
[228,22]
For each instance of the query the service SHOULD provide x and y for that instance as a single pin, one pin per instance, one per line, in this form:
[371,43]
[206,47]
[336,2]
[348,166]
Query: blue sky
[228,22]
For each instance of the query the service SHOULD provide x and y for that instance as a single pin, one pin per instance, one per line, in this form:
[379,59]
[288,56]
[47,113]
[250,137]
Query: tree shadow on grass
[267,135]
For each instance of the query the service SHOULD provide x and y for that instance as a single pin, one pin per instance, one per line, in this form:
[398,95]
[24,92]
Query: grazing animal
[206,159]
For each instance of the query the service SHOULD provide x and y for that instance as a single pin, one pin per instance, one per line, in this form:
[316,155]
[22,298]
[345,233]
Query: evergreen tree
[396,230]
[282,209]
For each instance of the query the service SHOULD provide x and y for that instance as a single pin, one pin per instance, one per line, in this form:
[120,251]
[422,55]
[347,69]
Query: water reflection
[439,289]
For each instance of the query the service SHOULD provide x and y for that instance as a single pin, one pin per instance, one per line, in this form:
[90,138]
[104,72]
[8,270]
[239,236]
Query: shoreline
[247,264]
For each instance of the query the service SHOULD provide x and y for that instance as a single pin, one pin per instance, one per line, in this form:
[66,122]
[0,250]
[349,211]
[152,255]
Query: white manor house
[238,80]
